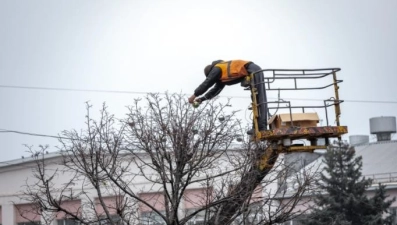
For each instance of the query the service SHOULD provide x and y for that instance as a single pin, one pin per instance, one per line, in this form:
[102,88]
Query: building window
[250,219]
[68,222]
[115,218]
[29,223]
[74,207]
[296,221]
[152,201]
[152,218]
[253,215]
[27,214]
[197,219]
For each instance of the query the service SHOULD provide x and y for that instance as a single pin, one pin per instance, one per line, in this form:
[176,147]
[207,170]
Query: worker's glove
[196,104]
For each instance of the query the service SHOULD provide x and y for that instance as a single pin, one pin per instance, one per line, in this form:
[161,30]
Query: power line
[145,92]
[33,134]
[43,135]
[30,134]
[39,135]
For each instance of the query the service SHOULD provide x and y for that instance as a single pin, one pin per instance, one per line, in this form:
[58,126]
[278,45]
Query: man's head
[208,68]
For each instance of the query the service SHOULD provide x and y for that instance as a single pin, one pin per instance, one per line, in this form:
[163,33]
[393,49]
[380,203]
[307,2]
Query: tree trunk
[244,189]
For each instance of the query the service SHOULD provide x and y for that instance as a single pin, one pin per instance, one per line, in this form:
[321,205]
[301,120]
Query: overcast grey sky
[157,46]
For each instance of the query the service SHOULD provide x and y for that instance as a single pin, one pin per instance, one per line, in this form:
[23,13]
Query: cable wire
[33,134]
[145,92]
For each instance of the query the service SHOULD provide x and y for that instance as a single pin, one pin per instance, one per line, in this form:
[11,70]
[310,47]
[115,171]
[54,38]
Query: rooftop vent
[383,127]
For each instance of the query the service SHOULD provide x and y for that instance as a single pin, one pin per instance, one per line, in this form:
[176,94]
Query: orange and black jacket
[219,78]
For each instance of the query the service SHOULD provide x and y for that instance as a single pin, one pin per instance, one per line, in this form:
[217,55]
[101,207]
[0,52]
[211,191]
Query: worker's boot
[262,127]
[251,131]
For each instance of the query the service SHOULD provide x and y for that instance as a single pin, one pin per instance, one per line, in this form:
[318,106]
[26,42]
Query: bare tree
[150,161]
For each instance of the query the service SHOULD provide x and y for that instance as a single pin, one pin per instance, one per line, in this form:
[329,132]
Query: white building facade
[15,175]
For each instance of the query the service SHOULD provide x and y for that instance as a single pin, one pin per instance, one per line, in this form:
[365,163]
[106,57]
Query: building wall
[20,174]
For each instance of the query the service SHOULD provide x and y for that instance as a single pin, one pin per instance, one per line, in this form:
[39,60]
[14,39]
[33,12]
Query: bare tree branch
[164,148]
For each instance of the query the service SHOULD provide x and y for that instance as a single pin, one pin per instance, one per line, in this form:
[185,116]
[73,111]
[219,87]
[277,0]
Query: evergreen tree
[342,200]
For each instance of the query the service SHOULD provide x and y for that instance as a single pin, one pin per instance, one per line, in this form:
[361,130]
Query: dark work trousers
[261,95]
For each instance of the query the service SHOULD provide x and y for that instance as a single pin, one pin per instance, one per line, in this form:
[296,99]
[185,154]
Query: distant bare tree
[152,160]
